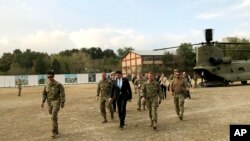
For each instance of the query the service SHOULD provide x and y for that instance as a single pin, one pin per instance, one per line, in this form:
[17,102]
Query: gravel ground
[207,116]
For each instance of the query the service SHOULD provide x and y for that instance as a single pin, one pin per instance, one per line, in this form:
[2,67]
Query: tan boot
[151,123]
[154,125]
[112,116]
[105,120]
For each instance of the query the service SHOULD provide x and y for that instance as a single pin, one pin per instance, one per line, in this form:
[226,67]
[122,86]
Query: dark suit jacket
[124,92]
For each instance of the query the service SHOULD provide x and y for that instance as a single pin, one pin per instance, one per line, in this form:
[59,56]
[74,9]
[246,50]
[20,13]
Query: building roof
[149,52]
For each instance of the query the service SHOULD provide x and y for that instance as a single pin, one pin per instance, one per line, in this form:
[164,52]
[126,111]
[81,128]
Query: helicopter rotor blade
[202,43]
[166,48]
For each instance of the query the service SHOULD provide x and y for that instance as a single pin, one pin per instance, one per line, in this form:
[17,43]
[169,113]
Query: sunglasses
[49,76]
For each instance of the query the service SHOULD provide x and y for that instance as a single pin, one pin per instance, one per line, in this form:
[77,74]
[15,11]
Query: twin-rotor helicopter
[217,68]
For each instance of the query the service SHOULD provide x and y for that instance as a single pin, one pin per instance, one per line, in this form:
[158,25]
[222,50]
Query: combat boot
[151,123]
[112,115]
[53,135]
[180,118]
[154,125]
[105,120]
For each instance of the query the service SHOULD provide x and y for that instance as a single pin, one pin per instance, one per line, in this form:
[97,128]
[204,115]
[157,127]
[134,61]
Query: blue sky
[55,25]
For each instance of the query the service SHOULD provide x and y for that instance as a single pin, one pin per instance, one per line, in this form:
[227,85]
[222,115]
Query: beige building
[135,62]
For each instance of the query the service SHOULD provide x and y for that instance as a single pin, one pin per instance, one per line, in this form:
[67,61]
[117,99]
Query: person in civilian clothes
[121,92]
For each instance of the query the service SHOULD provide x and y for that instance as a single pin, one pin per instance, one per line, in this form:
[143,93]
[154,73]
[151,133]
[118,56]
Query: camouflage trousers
[152,105]
[140,102]
[19,91]
[179,100]
[53,108]
[103,104]
[135,89]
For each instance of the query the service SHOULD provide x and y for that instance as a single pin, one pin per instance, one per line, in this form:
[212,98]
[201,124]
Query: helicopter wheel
[244,82]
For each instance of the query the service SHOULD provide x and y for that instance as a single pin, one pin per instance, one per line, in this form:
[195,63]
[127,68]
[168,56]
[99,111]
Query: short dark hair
[51,72]
[118,72]
[150,72]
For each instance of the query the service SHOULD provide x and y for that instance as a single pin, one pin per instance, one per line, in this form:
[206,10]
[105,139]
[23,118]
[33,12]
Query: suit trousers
[121,105]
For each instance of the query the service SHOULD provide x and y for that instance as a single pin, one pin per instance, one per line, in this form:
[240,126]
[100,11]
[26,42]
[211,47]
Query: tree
[186,56]
[40,66]
[109,53]
[5,62]
[123,51]
[95,52]
[234,50]
[15,69]
[56,66]
[168,61]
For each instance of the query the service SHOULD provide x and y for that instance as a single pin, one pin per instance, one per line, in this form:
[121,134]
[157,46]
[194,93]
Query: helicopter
[216,68]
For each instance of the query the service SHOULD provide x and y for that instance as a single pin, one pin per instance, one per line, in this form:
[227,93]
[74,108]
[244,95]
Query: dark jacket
[124,92]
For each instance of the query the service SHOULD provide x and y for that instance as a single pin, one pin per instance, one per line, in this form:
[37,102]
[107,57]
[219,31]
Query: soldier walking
[170,79]
[188,84]
[112,78]
[19,85]
[195,77]
[152,94]
[104,94]
[54,94]
[141,101]
[178,88]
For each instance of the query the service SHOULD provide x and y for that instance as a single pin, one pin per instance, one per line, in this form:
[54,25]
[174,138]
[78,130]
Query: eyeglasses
[49,77]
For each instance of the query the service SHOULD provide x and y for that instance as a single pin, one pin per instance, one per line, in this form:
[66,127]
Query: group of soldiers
[147,87]
[150,93]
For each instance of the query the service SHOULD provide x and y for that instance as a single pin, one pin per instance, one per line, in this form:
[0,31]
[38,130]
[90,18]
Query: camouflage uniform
[195,80]
[54,93]
[170,79]
[178,88]
[188,85]
[19,85]
[104,87]
[138,83]
[151,92]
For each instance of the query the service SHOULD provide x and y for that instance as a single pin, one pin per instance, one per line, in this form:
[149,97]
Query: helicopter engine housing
[217,61]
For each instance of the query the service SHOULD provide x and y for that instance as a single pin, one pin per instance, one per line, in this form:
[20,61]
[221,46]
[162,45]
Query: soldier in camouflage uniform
[54,94]
[138,83]
[19,85]
[104,92]
[195,78]
[178,88]
[170,79]
[113,78]
[152,94]
[188,84]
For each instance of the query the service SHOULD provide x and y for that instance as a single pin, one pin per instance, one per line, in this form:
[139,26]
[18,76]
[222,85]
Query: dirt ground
[207,116]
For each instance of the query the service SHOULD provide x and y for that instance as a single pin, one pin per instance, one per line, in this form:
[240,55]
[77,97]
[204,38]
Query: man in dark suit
[121,92]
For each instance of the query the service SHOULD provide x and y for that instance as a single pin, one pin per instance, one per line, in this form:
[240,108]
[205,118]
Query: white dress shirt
[119,81]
